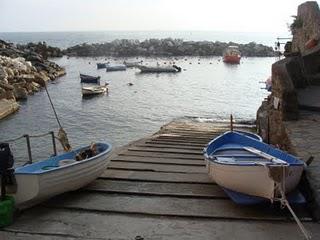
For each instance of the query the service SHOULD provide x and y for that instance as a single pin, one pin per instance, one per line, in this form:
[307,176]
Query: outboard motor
[6,168]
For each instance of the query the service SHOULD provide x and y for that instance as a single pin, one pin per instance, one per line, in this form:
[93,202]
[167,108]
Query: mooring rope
[14,139]
[30,136]
[285,203]
[54,110]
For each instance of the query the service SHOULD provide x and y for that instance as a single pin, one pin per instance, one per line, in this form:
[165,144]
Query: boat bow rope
[62,135]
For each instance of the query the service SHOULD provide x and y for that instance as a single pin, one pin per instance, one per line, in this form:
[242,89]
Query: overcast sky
[175,15]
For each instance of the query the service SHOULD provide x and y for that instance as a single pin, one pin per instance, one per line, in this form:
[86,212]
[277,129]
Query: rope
[39,135]
[54,110]
[31,136]
[284,202]
[14,139]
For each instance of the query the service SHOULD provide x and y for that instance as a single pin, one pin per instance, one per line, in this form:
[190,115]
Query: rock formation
[23,70]
[165,47]
[306,26]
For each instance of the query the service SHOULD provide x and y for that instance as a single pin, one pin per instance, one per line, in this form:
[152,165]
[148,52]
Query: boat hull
[116,68]
[251,180]
[231,59]
[145,69]
[33,188]
[246,165]
[93,91]
[89,79]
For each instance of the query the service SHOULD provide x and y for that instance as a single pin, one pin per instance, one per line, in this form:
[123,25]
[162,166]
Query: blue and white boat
[250,170]
[89,79]
[44,179]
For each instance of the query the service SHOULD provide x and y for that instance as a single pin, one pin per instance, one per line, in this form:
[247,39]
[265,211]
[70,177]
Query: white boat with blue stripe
[41,180]
[244,165]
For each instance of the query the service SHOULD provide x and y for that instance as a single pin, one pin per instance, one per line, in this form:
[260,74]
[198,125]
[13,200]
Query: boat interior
[61,161]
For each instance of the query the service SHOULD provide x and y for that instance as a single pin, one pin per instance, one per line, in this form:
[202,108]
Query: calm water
[207,88]
[67,39]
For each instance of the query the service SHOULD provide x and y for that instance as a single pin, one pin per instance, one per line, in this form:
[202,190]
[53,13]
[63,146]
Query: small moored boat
[244,165]
[101,65]
[89,79]
[159,69]
[93,90]
[111,68]
[131,64]
[44,179]
[232,55]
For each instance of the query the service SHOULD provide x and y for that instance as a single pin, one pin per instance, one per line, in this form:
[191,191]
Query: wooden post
[231,122]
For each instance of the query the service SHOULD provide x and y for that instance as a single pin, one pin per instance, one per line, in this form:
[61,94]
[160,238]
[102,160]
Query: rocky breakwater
[165,47]
[23,72]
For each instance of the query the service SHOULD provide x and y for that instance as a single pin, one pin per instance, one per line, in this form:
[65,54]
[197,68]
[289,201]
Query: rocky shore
[165,47]
[24,69]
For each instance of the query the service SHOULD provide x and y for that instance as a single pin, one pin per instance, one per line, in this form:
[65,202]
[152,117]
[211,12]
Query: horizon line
[75,31]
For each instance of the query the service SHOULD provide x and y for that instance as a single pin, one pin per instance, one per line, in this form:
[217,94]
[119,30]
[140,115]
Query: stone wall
[282,104]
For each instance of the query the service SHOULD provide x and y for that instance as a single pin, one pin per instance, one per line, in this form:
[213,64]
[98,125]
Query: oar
[265,155]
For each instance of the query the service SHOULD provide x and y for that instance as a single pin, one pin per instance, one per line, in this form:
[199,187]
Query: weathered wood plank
[168,146]
[154,167]
[172,142]
[169,161]
[165,150]
[183,139]
[157,188]
[169,206]
[156,176]
[161,155]
[46,223]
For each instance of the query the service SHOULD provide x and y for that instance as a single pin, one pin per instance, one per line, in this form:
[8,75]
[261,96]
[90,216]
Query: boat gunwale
[57,168]
[298,162]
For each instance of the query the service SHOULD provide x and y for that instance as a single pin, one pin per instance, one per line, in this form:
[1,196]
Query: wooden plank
[141,159]
[168,145]
[157,188]
[161,155]
[165,150]
[155,167]
[156,176]
[178,143]
[169,206]
[184,140]
[41,222]
[194,131]
[186,137]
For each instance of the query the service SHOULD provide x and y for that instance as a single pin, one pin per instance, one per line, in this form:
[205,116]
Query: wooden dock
[157,188]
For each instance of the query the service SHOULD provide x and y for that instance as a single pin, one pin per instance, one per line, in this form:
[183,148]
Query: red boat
[232,55]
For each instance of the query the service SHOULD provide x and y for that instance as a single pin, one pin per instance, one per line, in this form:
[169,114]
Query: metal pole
[29,148]
[54,144]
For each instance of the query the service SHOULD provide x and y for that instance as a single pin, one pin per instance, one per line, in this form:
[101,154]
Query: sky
[147,15]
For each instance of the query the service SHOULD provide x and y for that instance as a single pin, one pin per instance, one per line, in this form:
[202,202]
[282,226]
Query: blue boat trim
[294,197]
[53,162]
[232,140]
